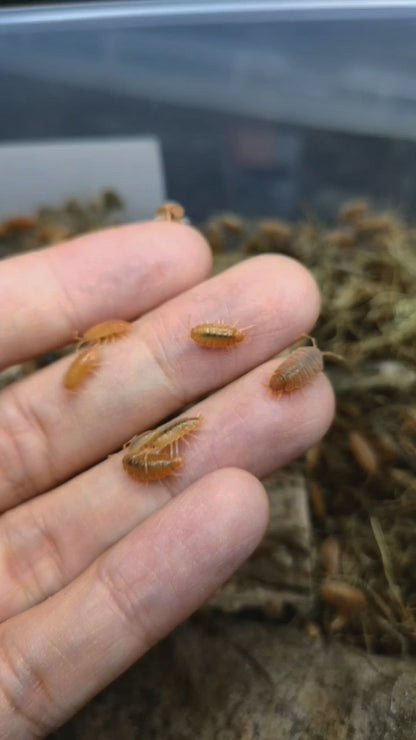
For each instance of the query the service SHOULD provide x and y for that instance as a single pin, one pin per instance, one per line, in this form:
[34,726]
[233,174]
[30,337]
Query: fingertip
[296,289]
[311,412]
[198,244]
[240,508]
[305,298]
[188,239]
[248,495]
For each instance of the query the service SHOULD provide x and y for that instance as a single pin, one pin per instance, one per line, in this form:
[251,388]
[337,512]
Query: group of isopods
[154,455]
[146,458]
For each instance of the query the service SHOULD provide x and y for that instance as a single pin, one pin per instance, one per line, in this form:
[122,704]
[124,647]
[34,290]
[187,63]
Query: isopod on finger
[217,335]
[170,211]
[164,436]
[151,466]
[105,331]
[300,368]
[170,433]
[84,364]
[297,370]
[139,441]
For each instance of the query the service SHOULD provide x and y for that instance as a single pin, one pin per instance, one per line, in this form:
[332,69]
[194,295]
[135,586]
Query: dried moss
[365,266]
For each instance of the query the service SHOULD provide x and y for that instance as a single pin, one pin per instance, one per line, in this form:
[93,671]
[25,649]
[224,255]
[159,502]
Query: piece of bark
[279,573]
[237,679]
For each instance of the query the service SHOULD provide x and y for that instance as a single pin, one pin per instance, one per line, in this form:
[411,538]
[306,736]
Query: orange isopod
[170,211]
[164,436]
[217,335]
[353,210]
[317,499]
[20,223]
[106,331]
[231,223]
[83,365]
[297,370]
[363,452]
[151,466]
[330,554]
[342,597]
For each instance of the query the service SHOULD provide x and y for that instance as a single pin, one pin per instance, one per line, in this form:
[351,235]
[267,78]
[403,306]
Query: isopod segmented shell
[217,335]
[106,331]
[84,364]
[297,370]
[151,466]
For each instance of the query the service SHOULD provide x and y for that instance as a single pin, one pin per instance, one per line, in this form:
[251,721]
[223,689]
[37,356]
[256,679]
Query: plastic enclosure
[268,108]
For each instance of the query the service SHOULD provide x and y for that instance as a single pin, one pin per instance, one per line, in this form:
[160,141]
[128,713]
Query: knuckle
[24,693]
[125,601]
[158,341]
[24,448]
[31,554]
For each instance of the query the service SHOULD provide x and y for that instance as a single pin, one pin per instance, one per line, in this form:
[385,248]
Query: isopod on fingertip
[297,370]
[105,331]
[217,335]
[84,364]
[170,211]
[151,466]
[300,368]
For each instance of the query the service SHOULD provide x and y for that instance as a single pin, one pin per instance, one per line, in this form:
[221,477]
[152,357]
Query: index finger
[48,295]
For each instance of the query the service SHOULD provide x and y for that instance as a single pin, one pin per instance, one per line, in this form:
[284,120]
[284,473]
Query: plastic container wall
[260,108]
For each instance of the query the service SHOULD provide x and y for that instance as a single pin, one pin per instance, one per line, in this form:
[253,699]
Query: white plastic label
[46,174]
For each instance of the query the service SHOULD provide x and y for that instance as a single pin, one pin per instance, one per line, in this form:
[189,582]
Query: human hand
[95,567]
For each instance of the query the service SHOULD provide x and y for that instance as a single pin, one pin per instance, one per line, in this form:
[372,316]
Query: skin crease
[95,566]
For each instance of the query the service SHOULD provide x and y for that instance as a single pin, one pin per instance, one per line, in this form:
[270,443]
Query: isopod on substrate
[363,452]
[341,596]
[330,554]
